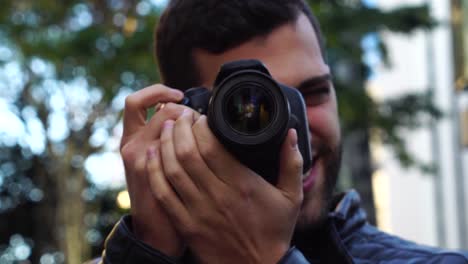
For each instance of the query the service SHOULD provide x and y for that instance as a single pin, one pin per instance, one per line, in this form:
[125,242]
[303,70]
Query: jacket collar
[348,214]
[326,243]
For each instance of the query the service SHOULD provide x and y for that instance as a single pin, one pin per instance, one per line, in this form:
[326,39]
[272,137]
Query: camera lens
[249,109]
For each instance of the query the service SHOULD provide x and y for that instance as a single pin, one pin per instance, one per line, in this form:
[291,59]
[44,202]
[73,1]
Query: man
[194,202]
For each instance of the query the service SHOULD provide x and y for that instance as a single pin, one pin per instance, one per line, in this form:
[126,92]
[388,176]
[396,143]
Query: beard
[317,202]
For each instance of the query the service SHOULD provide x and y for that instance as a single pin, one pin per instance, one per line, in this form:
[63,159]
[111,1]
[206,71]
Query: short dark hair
[217,26]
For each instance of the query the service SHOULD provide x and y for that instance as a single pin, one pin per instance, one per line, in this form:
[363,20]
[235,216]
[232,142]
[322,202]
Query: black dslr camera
[250,114]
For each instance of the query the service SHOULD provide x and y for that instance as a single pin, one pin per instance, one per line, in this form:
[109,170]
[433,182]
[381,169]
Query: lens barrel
[249,109]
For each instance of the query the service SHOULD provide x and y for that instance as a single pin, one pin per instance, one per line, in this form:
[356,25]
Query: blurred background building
[428,207]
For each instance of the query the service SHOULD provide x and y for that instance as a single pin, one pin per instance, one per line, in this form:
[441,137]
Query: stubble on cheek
[317,201]
[314,207]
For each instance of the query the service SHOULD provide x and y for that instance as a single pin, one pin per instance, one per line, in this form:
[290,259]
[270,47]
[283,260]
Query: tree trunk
[71,207]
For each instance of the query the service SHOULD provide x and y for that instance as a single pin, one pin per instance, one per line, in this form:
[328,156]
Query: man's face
[292,55]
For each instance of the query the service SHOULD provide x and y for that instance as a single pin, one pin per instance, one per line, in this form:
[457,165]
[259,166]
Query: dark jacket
[346,237]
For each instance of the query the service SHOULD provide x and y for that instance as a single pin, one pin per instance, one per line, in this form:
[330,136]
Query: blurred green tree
[65,69]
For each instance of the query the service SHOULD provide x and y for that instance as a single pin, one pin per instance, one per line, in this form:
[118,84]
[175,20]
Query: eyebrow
[313,81]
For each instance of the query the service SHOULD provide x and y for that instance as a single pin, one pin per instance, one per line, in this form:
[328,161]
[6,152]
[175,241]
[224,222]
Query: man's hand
[150,222]
[225,212]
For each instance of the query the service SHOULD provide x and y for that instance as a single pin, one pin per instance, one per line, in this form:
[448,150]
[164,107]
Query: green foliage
[58,32]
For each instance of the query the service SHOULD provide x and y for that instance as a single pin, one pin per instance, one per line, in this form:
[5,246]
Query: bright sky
[371,3]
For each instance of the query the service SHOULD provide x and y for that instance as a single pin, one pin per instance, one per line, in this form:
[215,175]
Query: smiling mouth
[315,158]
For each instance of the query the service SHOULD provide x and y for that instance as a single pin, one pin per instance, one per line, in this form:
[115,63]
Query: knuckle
[298,162]
[162,198]
[170,172]
[172,106]
[170,111]
[189,231]
[298,167]
[159,86]
[165,139]
[208,151]
[128,153]
[134,159]
[131,101]
[174,175]
[164,111]
[139,165]
[186,153]
[152,165]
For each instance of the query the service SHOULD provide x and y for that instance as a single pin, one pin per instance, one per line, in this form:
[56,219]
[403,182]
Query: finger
[162,190]
[173,171]
[170,111]
[188,154]
[290,173]
[218,159]
[137,103]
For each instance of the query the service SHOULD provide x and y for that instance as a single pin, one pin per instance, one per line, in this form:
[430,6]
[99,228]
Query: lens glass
[249,109]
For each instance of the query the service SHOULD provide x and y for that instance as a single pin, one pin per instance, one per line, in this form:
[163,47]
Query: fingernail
[177,93]
[168,124]
[186,112]
[151,153]
[294,139]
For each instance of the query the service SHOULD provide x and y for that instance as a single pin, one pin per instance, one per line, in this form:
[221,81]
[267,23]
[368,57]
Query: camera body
[250,114]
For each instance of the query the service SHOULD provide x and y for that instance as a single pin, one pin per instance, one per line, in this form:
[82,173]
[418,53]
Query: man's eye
[316,96]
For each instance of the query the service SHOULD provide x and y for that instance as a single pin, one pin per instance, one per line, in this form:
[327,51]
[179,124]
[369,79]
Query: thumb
[290,174]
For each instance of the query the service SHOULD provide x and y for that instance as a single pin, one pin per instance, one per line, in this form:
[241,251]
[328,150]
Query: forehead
[291,53]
